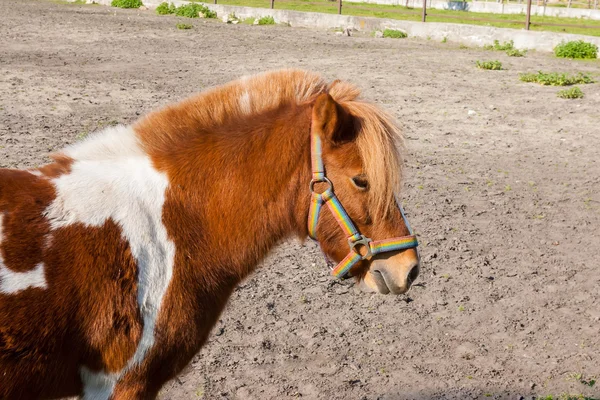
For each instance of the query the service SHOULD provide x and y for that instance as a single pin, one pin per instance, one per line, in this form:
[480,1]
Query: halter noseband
[355,238]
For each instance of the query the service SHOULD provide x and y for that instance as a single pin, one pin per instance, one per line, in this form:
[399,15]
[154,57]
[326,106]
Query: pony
[117,258]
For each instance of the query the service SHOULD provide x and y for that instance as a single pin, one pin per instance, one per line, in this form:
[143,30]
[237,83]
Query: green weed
[576,49]
[500,47]
[194,10]
[394,34]
[165,8]
[556,79]
[516,53]
[571,93]
[584,381]
[184,26]
[491,65]
[266,20]
[191,10]
[126,3]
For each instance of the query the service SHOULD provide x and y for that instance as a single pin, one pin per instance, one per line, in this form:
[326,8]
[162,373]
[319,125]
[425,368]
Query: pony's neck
[240,187]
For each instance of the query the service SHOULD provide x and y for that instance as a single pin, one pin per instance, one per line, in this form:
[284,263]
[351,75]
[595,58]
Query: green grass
[191,10]
[509,47]
[571,93]
[410,14]
[126,3]
[267,20]
[556,79]
[394,34]
[184,26]
[576,49]
[491,65]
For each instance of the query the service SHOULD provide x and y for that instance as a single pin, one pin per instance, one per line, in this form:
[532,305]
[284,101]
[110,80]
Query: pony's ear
[332,121]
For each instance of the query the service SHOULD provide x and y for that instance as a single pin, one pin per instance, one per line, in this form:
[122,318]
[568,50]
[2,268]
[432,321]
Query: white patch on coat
[112,178]
[12,282]
[97,385]
[245,104]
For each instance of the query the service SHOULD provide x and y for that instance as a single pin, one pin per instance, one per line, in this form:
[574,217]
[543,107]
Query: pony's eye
[361,182]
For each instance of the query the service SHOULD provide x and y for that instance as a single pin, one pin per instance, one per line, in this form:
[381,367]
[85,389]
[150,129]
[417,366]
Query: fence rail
[424,13]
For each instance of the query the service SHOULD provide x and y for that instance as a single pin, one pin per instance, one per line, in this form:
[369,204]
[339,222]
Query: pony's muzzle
[392,272]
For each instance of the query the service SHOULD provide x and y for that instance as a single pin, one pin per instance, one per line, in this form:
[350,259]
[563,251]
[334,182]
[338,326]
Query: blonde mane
[379,143]
[379,140]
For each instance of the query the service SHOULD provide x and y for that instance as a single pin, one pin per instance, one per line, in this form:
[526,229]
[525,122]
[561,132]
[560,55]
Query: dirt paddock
[502,184]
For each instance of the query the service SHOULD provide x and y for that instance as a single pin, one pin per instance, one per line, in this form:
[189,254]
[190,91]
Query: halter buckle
[362,240]
[321,180]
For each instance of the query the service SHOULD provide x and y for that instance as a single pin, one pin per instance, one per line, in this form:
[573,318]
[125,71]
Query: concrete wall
[491,7]
[470,35]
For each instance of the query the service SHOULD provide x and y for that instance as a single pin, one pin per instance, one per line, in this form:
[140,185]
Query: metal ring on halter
[324,180]
[365,241]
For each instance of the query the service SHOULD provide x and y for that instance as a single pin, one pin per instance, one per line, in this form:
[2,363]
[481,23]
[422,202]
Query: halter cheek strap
[355,238]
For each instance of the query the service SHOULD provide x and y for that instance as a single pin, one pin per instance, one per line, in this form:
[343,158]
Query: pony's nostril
[413,274]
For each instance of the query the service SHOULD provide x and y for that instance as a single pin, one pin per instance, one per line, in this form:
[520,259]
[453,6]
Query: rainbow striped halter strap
[355,238]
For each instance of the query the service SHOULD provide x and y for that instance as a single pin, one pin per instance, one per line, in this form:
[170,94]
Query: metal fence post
[424,9]
[272,4]
[528,19]
[340,7]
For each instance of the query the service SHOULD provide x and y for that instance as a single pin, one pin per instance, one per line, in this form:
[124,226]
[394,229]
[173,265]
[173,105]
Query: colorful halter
[355,238]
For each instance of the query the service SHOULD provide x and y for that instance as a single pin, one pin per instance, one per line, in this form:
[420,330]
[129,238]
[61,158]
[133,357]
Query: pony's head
[360,147]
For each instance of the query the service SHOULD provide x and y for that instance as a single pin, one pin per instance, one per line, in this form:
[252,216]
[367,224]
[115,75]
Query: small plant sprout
[571,93]
[445,39]
[576,49]
[490,65]
[394,34]
[587,381]
[184,26]
[500,47]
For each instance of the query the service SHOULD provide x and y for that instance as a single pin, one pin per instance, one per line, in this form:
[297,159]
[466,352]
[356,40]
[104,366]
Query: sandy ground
[505,198]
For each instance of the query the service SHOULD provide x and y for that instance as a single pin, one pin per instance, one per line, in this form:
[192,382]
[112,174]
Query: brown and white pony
[117,258]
